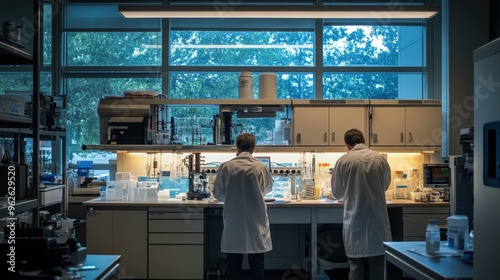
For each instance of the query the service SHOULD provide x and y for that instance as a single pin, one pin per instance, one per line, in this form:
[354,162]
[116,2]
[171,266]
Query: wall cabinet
[120,232]
[325,126]
[418,126]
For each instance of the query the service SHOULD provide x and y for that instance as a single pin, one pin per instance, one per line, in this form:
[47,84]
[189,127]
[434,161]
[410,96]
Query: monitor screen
[436,175]
[265,160]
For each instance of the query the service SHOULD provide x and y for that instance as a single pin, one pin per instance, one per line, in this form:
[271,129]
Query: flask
[432,236]
[245,85]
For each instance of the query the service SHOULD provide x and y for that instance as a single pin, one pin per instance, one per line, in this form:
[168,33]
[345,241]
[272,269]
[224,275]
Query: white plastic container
[267,85]
[400,186]
[432,237]
[458,231]
[123,176]
[245,85]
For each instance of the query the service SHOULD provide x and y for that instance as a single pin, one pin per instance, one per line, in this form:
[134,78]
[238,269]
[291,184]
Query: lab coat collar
[245,154]
[359,146]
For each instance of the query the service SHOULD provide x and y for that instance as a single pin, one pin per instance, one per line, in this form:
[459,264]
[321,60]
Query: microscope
[197,179]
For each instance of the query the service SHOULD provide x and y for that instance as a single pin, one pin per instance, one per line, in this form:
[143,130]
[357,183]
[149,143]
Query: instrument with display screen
[265,160]
[436,175]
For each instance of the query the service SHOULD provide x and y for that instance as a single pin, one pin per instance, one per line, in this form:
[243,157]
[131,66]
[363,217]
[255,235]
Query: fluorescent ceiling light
[274,11]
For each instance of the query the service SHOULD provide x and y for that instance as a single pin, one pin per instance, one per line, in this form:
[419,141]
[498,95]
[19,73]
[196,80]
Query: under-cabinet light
[276,11]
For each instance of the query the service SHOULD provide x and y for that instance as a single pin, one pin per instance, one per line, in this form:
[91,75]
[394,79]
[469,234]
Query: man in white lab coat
[360,178]
[241,183]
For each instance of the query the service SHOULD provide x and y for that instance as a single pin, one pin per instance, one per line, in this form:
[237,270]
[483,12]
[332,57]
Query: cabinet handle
[298,137]
[374,137]
[325,137]
[401,137]
[333,137]
[410,138]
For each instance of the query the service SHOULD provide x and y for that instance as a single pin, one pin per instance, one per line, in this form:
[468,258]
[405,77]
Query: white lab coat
[241,183]
[361,178]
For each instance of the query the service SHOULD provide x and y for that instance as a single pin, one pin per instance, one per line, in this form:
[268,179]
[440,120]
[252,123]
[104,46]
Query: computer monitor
[436,175]
[265,160]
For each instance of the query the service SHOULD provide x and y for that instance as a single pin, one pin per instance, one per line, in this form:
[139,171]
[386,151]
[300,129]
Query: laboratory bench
[410,257]
[180,239]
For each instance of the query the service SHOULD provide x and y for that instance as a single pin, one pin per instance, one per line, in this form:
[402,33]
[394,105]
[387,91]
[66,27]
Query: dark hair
[245,142]
[354,136]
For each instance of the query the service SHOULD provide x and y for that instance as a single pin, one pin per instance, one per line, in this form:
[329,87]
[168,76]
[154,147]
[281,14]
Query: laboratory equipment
[436,175]
[198,183]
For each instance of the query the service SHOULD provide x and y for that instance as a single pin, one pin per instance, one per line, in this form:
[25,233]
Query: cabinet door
[130,241]
[343,119]
[310,126]
[388,126]
[100,232]
[423,126]
[175,261]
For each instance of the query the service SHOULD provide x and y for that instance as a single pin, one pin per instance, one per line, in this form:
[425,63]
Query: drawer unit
[289,215]
[415,220]
[176,240]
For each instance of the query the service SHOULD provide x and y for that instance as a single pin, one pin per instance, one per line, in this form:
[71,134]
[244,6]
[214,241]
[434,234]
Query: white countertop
[277,203]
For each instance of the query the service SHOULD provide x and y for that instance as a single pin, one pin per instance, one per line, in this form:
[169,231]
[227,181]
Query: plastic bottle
[412,179]
[400,185]
[245,85]
[432,236]
[470,243]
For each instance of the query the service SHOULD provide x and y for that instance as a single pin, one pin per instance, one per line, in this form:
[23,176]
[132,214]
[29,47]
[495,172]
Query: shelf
[156,148]
[204,102]
[49,133]
[20,206]
[11,55]
[14,119]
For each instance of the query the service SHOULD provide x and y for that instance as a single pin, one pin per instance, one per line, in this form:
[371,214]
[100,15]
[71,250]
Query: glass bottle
[432,236]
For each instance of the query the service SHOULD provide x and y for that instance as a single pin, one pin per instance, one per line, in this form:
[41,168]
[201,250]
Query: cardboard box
[458,231]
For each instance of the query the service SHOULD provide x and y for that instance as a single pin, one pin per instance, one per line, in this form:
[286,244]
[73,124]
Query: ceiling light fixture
[274,11]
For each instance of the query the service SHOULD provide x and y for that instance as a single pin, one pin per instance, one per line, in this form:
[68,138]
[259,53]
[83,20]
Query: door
[423,126]
[130,231]
[310,126]
[388,126]
[343,119]
[100,232]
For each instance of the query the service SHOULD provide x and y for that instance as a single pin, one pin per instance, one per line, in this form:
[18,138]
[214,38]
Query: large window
[106,54]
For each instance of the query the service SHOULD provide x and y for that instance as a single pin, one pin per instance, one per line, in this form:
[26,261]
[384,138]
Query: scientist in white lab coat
[360,178]
[241,183]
